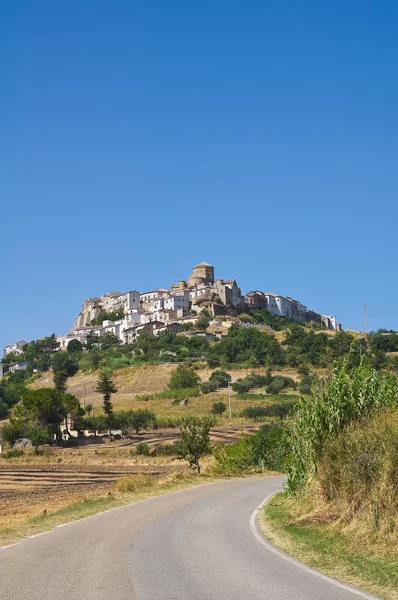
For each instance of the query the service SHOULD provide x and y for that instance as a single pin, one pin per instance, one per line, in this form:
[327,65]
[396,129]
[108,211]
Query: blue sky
[140,138]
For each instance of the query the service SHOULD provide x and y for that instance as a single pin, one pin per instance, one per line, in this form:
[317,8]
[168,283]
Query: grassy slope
[132,381]
[332,550]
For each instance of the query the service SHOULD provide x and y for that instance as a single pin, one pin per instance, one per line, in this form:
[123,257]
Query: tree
[74,347]
[218,408]
[63,366]
[11,432]
[38,436]
[43,407]
[220,377]
[106,388]
[183,378]
[134,419]
[195,440]
[202,323]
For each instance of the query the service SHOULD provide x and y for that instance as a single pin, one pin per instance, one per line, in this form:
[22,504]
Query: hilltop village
[167,310]
[128,314]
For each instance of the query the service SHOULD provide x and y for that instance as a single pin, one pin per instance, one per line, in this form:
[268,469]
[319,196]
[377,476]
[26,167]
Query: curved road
[195,544]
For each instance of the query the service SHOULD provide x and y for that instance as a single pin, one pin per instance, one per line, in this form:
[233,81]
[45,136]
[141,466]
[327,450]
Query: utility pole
[84,395]
[364,318]
[229,399]
[92,401]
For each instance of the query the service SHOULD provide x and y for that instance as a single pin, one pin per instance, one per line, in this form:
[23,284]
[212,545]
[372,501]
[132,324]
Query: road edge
[287,557]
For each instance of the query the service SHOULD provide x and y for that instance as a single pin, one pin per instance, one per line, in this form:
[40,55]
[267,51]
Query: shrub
[241,386]
[11,432]
[134,420]
[167,449]
[267,449]
[218,408]
[133,483]
[221,378]
[183,378]
[13,453]
[208,386]
[142,449]
[319,417]
[254,412]
[358,473]
[305,388]
[280,383]
[280,410]
[271,447]
[233,459]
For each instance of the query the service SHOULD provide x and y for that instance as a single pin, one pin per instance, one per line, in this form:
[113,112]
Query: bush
[133,483]
[241,386]
[279,383]
[167,449]
[11,432]
[358,473]
[280,410]
[142,449]
[319,417]
[233,459]
[305,388]
[218,408]
[183,378]
[134,420]
[208,386]
[220,378]
[254,412]
[266,449]
[270,447]
[13,453]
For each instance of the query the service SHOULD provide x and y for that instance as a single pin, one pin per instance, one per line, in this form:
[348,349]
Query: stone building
[202,274]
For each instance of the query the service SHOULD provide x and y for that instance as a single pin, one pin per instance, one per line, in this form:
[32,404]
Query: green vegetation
[280,410]
[347,397]
[104,315]
[168,394]
[183,378]
[195,440]
[218,408]
[266,449]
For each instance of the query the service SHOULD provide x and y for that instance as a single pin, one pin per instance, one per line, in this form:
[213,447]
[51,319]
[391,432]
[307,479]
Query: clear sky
[140,138]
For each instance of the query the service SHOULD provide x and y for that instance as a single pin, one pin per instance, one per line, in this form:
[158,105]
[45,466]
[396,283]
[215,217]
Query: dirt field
[30,484]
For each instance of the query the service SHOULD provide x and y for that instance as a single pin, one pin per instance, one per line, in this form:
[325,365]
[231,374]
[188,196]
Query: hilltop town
[167,310]
[128,314]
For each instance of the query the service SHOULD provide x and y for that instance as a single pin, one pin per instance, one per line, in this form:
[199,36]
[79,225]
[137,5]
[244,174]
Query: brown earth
[32,483]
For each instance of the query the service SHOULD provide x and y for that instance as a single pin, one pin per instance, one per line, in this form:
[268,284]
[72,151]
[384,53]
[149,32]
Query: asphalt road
[195,544]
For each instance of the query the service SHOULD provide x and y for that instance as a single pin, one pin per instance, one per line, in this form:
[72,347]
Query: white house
[18,366]
[64,340]
[131,300]
[16,348]
[153,295]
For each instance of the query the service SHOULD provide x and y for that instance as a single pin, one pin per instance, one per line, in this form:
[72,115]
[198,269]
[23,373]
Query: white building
[16,348]
[64,340]
[131,300]
[18,366]
[154,295]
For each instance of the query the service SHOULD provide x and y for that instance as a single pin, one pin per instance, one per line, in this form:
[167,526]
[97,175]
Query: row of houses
[284,306]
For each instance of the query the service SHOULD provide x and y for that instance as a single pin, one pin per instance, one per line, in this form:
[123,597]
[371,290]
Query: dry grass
[133,483]
[133,381]
[333,551]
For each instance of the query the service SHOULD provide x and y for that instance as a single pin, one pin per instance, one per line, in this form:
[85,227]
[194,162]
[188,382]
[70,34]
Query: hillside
[150,379]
